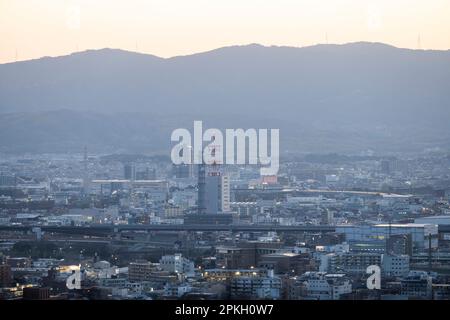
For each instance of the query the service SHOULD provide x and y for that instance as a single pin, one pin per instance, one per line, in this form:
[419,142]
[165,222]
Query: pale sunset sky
[34,28]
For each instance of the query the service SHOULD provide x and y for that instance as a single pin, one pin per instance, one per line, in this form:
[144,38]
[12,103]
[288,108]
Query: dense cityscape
[139,227]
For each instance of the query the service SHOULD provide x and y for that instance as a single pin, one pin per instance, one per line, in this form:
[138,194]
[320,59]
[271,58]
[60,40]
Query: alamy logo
[237,144]
[374,280]
[74,280]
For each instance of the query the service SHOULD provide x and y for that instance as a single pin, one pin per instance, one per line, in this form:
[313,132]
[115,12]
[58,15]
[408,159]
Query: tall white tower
[217,190]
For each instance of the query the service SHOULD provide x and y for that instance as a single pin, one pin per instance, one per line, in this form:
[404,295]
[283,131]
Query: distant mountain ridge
[339,98]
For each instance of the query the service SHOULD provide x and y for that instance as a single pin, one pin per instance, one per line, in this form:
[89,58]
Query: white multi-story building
[217,192]
[256,287]
[323,286]
[355,263]
[177,264]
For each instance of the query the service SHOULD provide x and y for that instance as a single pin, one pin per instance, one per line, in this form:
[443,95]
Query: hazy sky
[35,28]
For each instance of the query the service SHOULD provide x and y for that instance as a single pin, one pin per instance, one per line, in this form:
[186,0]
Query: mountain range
[323,98]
